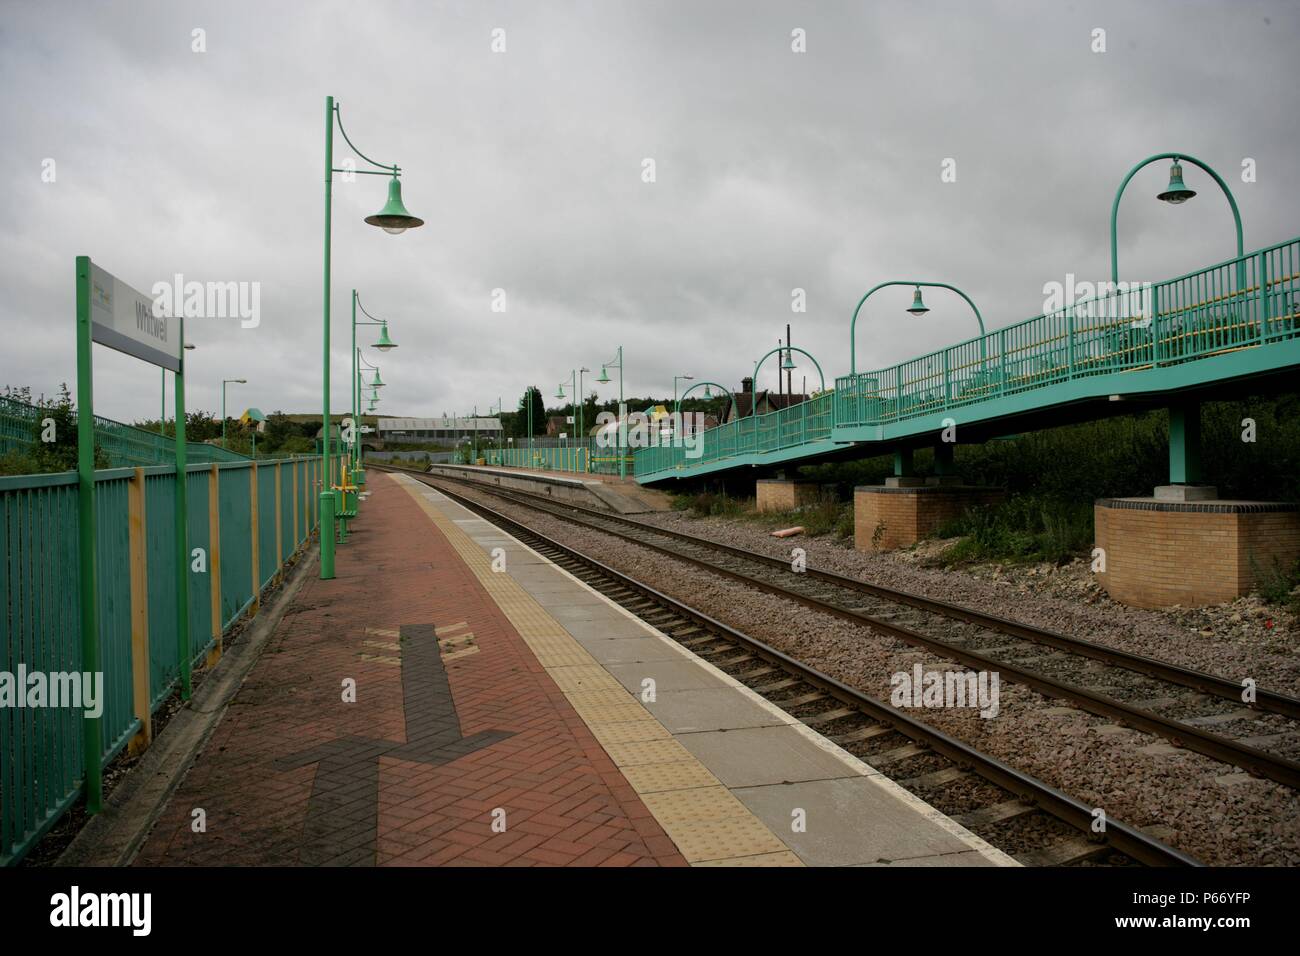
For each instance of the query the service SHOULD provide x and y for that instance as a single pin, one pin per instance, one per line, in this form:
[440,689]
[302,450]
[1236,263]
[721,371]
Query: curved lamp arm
[1114,209]
[678,407]
[784,348]
[373,321]
[388,170]
[853,326]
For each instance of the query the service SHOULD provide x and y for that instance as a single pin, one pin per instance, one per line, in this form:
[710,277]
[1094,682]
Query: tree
[54,435]
[589,411]
[201,426]
[519,427]
[279,430]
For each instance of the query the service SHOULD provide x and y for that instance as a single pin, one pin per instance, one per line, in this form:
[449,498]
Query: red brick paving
[566,803]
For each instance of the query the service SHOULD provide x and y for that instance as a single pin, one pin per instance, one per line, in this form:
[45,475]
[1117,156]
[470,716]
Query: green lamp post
[1176,193]
[707,394]
[786,364]
[582,446]
[918,308]
[1185,415]
[394,219]
[499,411]
[224,383]
[573,383]
[622,425]
[384,344]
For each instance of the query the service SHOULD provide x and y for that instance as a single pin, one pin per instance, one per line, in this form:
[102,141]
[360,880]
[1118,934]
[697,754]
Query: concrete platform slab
[760,756]
[668,675]
[692,711]
[603,629]
[629,650]
[849,821]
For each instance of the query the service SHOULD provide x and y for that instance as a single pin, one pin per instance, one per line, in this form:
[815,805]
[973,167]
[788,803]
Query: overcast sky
[774,170]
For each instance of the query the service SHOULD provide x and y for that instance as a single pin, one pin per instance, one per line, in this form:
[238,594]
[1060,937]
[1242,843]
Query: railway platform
[609,492]
[454,698]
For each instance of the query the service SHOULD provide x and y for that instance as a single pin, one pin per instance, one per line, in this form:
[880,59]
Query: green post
[92,740]
[182,533]
[354,404]
[326,495]
[622,426]
[580,445]
[902,462]
[162,416]
[1185,443]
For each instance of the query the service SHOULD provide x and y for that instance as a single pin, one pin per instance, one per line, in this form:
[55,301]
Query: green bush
[1276,581]
[1024,528]
[17,463]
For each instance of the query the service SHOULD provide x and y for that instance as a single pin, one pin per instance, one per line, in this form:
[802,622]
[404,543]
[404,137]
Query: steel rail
[1266,700]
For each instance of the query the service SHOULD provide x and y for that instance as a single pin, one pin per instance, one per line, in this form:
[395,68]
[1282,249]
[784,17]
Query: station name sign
[125,319]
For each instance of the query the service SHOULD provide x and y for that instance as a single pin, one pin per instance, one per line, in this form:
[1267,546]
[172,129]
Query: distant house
[557,425]
[746,402]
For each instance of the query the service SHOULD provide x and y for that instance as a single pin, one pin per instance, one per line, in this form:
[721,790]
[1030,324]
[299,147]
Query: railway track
[1143,693]
[1003,805]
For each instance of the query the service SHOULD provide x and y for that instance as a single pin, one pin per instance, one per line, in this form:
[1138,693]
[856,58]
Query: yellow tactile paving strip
[708,824]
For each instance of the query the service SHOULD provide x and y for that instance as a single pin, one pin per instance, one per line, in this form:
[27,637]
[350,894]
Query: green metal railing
[810,421]
[1235,304]
[40,747]
[1241,303]
[124,445]
[582,457]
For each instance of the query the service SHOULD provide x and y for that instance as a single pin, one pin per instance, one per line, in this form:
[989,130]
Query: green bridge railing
[1241,303]
[125,445]
[587,457]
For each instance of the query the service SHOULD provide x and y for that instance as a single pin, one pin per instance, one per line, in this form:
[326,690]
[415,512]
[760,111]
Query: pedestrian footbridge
[1227,326]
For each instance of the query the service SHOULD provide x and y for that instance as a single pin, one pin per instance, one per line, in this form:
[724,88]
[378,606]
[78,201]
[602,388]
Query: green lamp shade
[384,343]
[394,218]
[377,382]
[786,364]
[918,307]
[707,393]
[1176,192]
[560,393]
[604,376]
